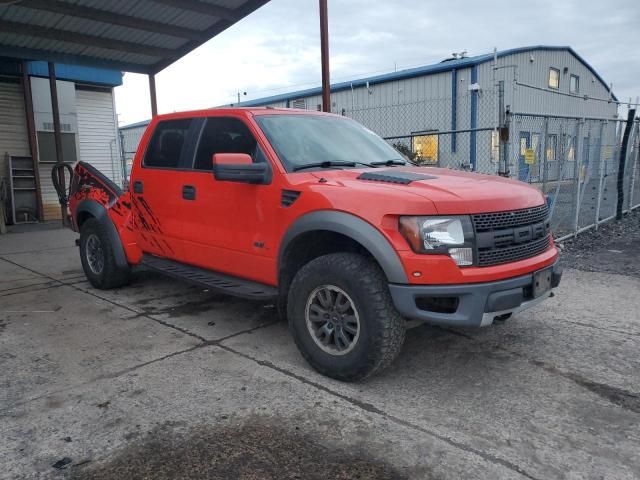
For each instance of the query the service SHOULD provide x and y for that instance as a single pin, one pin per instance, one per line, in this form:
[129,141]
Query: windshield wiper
[389,163]
[329,164]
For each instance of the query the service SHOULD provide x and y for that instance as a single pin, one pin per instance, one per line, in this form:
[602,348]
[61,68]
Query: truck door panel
[156,188]
[227,224]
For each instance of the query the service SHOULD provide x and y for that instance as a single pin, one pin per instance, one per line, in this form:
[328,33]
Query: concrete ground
[165,380]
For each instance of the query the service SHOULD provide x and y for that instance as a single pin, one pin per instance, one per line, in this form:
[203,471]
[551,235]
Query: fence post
[631,164]
[635,152]
[577,166]
[601,168]
[503,134]
[545,159]
[623,158]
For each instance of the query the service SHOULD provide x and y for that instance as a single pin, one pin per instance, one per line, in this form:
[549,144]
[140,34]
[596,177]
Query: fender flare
[355,228]
[100,213]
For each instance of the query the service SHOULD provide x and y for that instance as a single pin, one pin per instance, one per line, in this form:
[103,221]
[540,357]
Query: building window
[299,103]
[574,84]
[554,78]
[552,145]
[570,147]
[47,147]
[426,148]
[495,146]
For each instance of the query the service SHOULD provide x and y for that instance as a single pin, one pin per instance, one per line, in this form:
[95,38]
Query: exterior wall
[43,118]
[131,139]
[400,108]
[14,139]
[548,101]
[97,132]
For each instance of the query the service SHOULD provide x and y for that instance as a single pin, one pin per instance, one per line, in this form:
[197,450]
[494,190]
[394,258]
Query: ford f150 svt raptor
[323,217]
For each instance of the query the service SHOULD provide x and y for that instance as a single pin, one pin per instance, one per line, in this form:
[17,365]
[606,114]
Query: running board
[215,281]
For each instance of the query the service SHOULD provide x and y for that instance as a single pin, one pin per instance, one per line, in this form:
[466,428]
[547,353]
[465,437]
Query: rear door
[228,225]
[156,187]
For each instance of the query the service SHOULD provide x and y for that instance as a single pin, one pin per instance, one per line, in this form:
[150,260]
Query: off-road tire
[111,275]
[382,329]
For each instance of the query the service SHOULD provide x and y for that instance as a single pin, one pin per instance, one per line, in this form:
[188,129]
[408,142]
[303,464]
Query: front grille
[496,256]
[505,237]
[485,222]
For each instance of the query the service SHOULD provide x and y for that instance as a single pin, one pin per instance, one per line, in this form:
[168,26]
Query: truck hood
[451,191]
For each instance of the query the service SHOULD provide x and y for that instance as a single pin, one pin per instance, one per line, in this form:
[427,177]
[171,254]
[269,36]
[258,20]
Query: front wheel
[342,317]
[98,261]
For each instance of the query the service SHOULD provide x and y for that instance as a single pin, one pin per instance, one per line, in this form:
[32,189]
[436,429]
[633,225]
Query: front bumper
[473,304]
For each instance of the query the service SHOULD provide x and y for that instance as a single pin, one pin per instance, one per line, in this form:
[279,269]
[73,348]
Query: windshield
[324,142]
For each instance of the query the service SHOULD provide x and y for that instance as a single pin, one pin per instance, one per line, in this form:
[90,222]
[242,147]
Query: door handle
[188,192]
[137,187]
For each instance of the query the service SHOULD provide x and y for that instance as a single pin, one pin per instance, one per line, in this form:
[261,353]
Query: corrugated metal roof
[143,123]
[414,72]
[141,36]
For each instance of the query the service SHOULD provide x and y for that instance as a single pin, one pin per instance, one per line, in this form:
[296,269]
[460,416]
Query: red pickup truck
[321,216]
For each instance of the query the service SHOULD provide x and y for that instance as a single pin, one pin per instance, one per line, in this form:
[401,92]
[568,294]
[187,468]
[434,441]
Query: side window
[166,144]
[225,135]
[554,78]
[574,84]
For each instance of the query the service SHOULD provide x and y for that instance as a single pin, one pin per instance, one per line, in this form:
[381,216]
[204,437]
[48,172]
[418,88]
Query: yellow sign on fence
[530,156]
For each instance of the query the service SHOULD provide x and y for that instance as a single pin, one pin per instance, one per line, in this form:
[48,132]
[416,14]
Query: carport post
[33,139]
[152,94]
[57,136]
[324,53]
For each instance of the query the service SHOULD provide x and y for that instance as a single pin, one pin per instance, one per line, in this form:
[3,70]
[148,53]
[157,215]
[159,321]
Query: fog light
[462,256]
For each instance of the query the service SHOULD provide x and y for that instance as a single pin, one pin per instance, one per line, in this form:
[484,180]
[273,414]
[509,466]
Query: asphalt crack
[370,408]
[618,396]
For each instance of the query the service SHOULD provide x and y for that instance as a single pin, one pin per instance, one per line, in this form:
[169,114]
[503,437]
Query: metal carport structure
[140,36]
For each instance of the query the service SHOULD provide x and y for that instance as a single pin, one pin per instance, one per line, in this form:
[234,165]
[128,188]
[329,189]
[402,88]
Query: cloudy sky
[277,49]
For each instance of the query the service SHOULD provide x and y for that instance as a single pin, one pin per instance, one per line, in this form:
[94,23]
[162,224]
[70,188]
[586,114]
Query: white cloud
[276,49]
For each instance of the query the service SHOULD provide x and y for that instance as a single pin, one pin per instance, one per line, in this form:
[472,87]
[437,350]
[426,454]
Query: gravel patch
[613,248]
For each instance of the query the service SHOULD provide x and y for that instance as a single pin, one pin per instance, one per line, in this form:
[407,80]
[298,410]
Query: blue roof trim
[417,72]
[67,59]
[77,73]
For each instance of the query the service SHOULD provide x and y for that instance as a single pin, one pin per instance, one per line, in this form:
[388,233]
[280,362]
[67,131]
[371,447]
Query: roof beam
[218,27]
[203,7]
[104,16]
[84,39]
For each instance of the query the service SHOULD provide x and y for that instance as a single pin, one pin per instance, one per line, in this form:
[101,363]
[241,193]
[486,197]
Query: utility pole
[324,53]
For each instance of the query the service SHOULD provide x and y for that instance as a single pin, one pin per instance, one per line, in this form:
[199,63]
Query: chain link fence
[573,161]
[435,132]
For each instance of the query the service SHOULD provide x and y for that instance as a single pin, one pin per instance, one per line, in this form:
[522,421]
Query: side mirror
[238,167]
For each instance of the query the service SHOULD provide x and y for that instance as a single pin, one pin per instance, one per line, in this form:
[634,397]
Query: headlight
[443,235]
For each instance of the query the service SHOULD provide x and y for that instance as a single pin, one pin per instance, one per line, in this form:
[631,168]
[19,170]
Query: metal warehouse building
[88,128]
[449,113]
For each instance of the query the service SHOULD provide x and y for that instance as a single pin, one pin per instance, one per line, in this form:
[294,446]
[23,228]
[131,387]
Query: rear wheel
[342,317]
[98,261]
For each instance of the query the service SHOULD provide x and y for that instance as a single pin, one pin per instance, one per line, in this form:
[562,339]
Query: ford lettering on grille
[504,237]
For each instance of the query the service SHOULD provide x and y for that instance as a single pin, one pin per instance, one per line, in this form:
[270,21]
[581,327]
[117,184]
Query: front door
[227,226]
[156,188]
